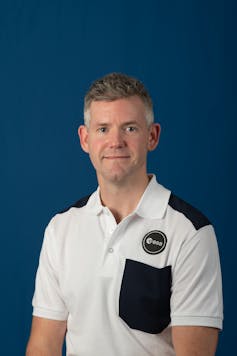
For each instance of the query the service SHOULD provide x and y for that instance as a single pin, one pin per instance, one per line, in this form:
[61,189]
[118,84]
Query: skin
[46,338]
[118,140]
[194,340]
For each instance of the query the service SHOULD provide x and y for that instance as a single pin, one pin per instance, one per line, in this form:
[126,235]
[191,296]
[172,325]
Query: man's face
[118,139]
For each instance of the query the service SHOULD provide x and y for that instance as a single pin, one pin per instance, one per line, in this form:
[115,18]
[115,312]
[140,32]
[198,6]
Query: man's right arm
[46,338]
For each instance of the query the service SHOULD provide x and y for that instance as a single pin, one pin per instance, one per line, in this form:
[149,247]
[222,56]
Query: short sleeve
[197,286]
[47,300]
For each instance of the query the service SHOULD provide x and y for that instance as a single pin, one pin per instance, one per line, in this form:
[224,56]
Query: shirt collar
[154,200]
[94,203]
[152,204]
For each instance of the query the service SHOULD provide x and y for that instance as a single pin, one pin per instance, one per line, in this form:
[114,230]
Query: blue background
[50,51]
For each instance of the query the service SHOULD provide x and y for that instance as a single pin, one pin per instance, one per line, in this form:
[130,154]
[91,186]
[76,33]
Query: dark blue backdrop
[184,51]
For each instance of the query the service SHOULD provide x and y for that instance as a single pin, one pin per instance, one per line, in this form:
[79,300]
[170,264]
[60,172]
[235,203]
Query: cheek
[140,146]
[94,158]
[95,148]
[93,143]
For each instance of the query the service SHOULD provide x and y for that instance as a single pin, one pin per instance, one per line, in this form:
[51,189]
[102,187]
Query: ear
[83,136]
[154,135]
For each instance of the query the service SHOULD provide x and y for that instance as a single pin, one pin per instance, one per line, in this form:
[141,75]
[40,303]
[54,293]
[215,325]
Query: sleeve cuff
[50,314]
[214,322]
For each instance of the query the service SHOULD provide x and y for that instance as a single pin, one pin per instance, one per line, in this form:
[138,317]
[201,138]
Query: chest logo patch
[154,242]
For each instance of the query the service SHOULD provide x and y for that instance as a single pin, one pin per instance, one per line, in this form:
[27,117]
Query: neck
[122,199]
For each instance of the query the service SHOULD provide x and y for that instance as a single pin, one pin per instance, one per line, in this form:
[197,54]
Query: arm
[196,302]
[46,337]
[194,340]
[50,313]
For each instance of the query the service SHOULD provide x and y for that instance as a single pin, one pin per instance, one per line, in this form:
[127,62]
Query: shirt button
[111,250]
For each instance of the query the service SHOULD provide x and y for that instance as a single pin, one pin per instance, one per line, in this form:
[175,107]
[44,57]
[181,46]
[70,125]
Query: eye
[102,129]
[131,128]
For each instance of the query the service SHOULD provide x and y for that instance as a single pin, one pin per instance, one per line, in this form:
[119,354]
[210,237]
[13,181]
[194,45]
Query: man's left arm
[196,300]
[194,340]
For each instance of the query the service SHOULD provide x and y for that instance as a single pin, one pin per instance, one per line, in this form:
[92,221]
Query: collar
[154,200]
[152,204]
[94,204]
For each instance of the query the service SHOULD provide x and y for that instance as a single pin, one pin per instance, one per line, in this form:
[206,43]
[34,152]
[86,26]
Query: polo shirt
[121,287]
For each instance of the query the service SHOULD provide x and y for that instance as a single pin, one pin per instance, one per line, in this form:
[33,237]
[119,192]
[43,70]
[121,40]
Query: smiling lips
[116,157]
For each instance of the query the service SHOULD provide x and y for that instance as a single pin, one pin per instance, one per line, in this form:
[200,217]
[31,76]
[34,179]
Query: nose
[116,139]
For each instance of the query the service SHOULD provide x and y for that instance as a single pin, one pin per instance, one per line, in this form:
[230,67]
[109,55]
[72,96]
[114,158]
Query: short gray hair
[115,86]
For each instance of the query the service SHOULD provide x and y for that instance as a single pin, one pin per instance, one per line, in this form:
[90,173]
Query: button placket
[109,226]
[111,230]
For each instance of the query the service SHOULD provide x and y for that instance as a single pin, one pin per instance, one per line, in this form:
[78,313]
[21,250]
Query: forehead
[125,108]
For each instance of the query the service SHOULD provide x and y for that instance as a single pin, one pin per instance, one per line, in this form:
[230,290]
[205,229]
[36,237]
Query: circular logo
[154,242]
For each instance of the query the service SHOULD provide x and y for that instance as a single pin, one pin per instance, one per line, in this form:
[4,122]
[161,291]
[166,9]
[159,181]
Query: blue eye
[102,129]
[131,128]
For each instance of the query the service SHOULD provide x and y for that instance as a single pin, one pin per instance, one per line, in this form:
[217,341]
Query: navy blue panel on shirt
[194,215]
[78,204]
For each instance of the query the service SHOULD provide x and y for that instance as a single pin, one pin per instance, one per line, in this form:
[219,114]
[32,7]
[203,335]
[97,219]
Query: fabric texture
[125,285]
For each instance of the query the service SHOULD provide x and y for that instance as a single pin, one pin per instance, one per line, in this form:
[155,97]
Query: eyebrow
[102,124]
[123,124]
[131,123]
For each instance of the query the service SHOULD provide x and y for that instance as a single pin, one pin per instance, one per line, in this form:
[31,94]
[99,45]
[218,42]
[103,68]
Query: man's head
[116,86]
[119,129]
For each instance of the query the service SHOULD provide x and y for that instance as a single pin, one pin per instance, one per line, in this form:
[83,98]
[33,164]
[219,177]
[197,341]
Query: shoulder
[69,215]
[65,222]
[189,212]
[78,204]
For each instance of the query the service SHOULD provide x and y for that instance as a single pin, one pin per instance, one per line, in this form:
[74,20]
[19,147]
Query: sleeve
[197,286]
[47,300]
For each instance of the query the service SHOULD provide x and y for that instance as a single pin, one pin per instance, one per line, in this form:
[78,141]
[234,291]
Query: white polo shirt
[122,286]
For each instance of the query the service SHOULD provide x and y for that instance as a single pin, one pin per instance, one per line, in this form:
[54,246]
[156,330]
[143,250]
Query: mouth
[116,157]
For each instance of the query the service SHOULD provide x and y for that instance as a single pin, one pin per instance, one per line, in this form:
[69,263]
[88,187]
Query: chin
[115,177]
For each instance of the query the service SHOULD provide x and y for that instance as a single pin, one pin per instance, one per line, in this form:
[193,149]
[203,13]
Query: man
[131,270]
